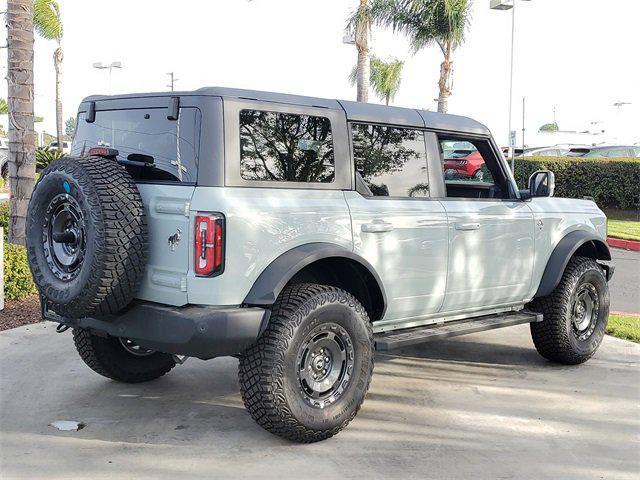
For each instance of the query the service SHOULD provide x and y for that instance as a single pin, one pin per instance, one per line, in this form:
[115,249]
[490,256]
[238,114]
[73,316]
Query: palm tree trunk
[362,44]
[364,69]
[22,137]
[57,62]
[445,81]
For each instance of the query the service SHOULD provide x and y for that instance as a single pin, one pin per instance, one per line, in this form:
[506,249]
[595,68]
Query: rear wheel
[575,314]
[306,377]
[120,359]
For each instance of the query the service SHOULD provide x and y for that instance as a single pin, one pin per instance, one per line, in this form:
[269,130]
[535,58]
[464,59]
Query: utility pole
[172,80]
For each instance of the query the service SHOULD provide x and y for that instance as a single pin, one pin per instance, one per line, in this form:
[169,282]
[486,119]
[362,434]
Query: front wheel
[306,377]
[575,314]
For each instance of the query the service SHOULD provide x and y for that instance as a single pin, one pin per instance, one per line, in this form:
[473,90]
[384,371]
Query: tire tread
[260,370]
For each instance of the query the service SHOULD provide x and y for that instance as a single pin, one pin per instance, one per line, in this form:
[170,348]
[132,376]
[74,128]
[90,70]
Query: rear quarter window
[286,147]
[173,144]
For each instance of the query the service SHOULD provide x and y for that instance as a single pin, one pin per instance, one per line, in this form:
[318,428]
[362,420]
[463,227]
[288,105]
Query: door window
[391,161]
[474,172]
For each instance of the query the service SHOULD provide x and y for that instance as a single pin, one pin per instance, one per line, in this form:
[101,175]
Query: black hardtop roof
[355,111]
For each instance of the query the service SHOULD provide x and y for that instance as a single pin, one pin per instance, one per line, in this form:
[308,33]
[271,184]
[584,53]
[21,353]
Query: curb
[626,244]
[618,312]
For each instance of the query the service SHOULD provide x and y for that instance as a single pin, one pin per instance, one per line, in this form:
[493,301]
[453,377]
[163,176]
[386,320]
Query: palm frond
[386,77]
[425,22]
[353,76]
[4,106]
[46,19]
[359,23]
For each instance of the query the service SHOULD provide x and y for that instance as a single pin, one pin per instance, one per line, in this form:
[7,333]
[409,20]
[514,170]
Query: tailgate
[167,208]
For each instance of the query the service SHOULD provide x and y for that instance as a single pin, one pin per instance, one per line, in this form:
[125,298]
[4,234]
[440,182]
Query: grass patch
[624,224]
[624,326]
[625,229]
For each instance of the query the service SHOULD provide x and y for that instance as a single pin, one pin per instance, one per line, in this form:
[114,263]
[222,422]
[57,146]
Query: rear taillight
[209,244]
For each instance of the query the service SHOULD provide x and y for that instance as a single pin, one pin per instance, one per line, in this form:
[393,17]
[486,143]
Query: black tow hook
[61,328]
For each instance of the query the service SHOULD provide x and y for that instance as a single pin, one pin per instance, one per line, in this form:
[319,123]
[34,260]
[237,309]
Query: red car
[465,166]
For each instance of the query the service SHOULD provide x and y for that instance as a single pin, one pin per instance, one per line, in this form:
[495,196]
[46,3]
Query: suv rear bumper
[196,331]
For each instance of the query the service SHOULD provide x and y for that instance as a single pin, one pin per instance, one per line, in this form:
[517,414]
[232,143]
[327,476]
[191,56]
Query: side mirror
[542,183]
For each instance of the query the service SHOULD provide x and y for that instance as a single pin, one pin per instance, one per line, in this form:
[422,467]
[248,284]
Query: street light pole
[110,67]
[509,5]
[513,36]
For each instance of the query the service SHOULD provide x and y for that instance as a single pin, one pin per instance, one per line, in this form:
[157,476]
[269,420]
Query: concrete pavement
[625,284]
[484,406]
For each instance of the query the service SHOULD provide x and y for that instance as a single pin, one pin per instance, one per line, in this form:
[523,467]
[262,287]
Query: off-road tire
[115,235]
[554,338]
[267,371]
[107,356]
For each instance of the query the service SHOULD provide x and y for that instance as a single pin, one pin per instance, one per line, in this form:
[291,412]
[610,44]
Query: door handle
[376,227]
[467,226]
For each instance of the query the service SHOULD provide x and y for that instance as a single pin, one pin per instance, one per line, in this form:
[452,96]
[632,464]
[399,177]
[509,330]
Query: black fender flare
[562,253]
[272,280]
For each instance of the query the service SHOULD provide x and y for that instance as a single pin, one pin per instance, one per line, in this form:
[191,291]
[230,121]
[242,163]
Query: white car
[66,146]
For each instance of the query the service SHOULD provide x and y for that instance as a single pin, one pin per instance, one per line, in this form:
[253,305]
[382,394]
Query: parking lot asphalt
[484,406]
[625,284]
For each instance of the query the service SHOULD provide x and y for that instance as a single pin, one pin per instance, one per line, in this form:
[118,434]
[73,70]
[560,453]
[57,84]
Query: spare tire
[86,237]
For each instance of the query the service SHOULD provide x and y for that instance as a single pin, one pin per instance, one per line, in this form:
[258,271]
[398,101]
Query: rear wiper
[137,160]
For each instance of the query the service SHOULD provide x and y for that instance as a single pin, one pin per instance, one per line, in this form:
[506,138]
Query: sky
[576,56]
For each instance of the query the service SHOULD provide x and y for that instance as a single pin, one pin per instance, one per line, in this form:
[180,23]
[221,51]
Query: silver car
[300,235]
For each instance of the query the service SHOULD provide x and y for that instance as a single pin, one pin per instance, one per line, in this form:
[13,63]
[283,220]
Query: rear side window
[391,161]
[172,144]
[285,147]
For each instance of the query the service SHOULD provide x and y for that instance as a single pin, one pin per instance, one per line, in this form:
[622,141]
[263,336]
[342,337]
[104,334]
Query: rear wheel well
[348,275]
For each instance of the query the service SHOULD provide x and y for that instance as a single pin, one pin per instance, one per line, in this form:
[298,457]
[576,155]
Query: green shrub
[4,217]
[46,155]
[613,183]
[17,276]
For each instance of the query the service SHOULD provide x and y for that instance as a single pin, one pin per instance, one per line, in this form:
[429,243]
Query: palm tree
[426,22]
[359,25]
[48,24]
[385,77]
[22,137]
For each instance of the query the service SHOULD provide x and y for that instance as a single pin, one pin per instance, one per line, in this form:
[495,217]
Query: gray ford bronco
[300,235]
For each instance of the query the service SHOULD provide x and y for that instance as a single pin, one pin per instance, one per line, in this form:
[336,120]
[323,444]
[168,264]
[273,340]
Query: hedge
[17,276]
[613,183]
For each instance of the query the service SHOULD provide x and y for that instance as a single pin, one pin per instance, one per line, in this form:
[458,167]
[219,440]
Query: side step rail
[403,338]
